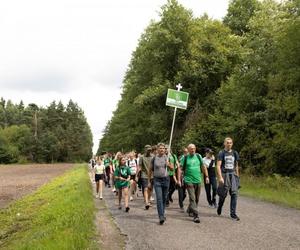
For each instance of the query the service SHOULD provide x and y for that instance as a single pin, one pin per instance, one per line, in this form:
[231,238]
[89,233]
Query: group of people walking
[162,171]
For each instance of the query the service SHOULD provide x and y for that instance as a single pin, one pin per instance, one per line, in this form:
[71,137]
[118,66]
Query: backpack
[185,160]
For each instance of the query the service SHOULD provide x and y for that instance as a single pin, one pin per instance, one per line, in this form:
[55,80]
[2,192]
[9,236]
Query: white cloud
[76,49]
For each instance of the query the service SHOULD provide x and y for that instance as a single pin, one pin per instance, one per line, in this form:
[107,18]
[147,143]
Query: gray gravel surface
[262,226]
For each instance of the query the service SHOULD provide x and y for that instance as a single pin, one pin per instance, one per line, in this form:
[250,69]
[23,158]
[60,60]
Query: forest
[56,133]
[243,78]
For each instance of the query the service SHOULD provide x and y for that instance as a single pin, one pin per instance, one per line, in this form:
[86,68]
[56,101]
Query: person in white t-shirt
[99,170]
[132,163]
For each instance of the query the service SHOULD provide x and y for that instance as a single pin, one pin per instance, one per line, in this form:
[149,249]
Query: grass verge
[60,215]
[275,189]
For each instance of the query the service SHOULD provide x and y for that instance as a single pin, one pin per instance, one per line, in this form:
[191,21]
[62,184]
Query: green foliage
[52,134]
[60,215]
[243,76]
[274,188]
[239,13]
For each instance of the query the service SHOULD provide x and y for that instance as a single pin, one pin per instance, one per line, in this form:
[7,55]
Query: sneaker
[127,209]
[147,207]
[219,210]
[211,206]
[101,197]
[151,198]
[235,217]
[131,198]
[114,190]
[120,207]
[161,221]
[190,212]
[97,195]
[196,219]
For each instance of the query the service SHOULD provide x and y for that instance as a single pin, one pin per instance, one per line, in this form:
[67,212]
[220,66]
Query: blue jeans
[161,186]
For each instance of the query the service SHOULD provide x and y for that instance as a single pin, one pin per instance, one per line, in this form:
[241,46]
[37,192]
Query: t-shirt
[173,160]
[123,171]
[144,163]
[192,172]
[160,166]
[115,163]
[107,162]
[211,170]
[132,164]
[229,160]
[99,169]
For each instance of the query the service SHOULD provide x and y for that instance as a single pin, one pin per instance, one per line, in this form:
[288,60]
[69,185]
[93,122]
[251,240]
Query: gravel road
[262,226]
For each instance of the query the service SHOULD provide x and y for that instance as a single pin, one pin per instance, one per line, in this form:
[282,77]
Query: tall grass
[59,215]
[275,188]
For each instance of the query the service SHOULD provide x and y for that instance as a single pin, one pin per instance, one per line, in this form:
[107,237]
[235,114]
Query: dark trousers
[181,195]
[107,171]
[172,188]
[161,186]
[233,202]
[212,186]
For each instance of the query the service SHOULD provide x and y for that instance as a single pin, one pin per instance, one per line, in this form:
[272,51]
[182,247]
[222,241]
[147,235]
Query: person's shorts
[144,182]
[99,177]
[132,177]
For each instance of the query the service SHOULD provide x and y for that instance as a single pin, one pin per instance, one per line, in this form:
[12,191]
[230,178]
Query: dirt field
[19,180]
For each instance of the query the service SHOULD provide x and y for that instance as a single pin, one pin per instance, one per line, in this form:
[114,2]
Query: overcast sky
[76,49]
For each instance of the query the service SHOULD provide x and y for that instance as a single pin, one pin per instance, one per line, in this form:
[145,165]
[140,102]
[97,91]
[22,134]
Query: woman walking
[122,180]
[99,177]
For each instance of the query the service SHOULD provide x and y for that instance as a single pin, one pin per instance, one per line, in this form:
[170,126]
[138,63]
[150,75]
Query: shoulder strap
[198,156]
[184,162]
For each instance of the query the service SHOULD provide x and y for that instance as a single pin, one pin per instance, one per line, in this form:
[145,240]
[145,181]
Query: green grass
[60,215]
[275,189]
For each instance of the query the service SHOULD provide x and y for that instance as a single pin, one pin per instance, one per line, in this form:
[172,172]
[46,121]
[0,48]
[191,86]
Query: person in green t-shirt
[192,165]
[172,173]
[115,164]
[108,169]
[122,179]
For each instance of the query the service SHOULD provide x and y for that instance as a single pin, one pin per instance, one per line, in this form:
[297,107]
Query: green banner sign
[177,99]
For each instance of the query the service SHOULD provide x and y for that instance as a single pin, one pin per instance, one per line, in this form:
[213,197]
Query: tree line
[243,76]
[56,133]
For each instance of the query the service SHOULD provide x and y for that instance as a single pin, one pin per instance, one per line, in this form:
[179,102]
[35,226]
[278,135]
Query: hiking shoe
[219,210]
[235,217]
[196,219]
[190,212]
[127,209]
[211,206]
